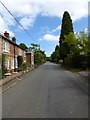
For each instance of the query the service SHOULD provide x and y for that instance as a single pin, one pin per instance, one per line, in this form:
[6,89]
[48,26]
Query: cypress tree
[66,28]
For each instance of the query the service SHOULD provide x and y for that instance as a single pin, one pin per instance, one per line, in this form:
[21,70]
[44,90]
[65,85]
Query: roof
[10,41]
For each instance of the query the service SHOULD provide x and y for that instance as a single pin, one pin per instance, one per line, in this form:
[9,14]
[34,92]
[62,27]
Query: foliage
[23,66]
[72,43]
[23,46]
[71,61]
[67,25]
[48,58]
[55,55]
[77,43]
[0,66]
[20,60]
[3,65]
[84,42]
[66,28]
[35,47]
[39,55]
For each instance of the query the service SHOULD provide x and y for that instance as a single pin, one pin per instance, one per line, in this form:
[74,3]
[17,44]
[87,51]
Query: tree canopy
[66,27]
[23,46]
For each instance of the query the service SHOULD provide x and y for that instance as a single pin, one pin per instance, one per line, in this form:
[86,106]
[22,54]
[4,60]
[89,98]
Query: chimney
[14,39]
[6,34]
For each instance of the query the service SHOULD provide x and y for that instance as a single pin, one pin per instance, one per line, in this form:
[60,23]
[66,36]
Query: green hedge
[23,66]
[76,61]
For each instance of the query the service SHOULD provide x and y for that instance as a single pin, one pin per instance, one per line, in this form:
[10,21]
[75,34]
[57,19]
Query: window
[12,63]
[16,63]
[6,46]
[7,64]
[24,54]
[20,52]
[24,59]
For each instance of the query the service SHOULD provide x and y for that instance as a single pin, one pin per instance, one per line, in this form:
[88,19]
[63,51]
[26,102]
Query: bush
[23,66]
[76,61]
[4,70]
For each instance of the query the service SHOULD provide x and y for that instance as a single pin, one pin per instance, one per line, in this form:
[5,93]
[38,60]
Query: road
[49,91]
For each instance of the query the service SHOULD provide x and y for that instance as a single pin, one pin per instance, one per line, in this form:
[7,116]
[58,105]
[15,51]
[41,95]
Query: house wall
[0,56]
[30,57]
[9,53]
[0,46]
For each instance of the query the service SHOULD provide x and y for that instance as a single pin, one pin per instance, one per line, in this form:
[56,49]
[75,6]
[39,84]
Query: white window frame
[6,45]
[12,63]
[24,54]
[16,63]
[7,64]
[20,52]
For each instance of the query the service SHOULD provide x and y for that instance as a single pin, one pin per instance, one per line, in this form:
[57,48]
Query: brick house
[12,51]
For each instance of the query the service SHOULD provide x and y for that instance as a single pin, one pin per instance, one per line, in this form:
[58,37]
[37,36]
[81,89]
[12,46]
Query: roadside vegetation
[39,57]
[73,51]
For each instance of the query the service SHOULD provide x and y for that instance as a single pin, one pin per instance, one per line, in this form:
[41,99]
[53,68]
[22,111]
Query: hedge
[76,61]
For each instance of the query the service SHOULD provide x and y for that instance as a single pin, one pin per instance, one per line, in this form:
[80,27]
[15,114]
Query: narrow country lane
[46,92]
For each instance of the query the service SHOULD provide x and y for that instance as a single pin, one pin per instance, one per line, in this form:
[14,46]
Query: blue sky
[42,20]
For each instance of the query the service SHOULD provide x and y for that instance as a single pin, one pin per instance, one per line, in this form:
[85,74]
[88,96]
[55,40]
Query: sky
[42,19]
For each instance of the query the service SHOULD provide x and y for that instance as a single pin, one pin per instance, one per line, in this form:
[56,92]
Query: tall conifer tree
[66,28]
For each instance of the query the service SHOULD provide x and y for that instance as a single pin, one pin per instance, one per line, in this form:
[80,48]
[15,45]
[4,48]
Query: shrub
[76,61]
[23,66]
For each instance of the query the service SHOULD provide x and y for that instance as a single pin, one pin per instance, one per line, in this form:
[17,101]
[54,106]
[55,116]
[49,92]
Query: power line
[17,21]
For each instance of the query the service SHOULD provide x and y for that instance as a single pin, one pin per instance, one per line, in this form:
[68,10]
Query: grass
[72,69]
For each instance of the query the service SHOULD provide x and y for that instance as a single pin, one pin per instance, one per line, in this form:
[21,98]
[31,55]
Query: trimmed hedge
[77,61]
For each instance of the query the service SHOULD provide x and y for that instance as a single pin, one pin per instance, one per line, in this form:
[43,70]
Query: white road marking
[8,88]
[18,78]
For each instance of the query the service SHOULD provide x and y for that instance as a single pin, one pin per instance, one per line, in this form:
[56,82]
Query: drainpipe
[14,60]
[14,41]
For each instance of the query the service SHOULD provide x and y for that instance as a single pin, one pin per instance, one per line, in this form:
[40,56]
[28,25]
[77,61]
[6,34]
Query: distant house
[11,50]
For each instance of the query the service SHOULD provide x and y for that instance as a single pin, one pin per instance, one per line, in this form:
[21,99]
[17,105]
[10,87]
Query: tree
[3,65]
[66,28]
[84,42]
[23,46]
[72,43]
[0,66]
[77,43]
[55,55]
[34,46]
[39,55]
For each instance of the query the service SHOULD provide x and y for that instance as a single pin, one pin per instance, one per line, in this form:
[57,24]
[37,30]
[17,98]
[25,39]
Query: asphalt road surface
[49,91]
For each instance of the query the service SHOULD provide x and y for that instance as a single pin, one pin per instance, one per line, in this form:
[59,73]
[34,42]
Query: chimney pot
[6,34]
[14,39]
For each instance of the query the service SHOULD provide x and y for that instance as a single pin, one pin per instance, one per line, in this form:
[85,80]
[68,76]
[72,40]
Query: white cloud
[27,22]
[4,27]
[57,28]
[50,37]
[28,8]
